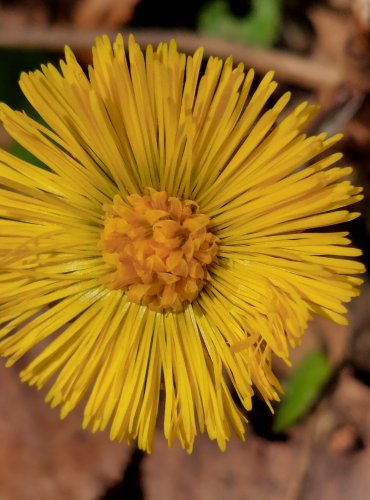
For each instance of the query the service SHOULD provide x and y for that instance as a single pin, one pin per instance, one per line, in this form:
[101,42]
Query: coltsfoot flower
[174,244]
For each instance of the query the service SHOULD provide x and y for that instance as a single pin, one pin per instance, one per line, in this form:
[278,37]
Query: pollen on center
[159,247]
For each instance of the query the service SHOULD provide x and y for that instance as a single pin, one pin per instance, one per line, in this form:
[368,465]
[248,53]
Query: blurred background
[317,444]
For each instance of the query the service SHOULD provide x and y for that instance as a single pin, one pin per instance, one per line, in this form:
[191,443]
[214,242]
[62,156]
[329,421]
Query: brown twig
[304,72]
[337,112]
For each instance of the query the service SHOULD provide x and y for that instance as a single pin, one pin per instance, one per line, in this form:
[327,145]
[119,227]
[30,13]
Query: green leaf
[12,63]
[22,153]
[261,27]
[302,390]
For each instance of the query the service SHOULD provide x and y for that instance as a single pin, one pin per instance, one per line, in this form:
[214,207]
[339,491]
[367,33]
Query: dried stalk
[304,72]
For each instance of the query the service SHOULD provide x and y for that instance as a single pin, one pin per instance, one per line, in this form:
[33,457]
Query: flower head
[175,242]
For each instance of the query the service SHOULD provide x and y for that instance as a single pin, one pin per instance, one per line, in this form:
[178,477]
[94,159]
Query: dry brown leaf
[22,16]
[42,457]
[361,12]
[341,472]
[256,469]
[341,4]
[107,13]
[306,467]
[332,30]
[351,403]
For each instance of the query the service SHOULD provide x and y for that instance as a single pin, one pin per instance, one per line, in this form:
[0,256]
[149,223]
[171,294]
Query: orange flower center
[159,247]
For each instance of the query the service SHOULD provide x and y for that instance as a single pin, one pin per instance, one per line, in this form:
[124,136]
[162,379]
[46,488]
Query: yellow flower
[173,245]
